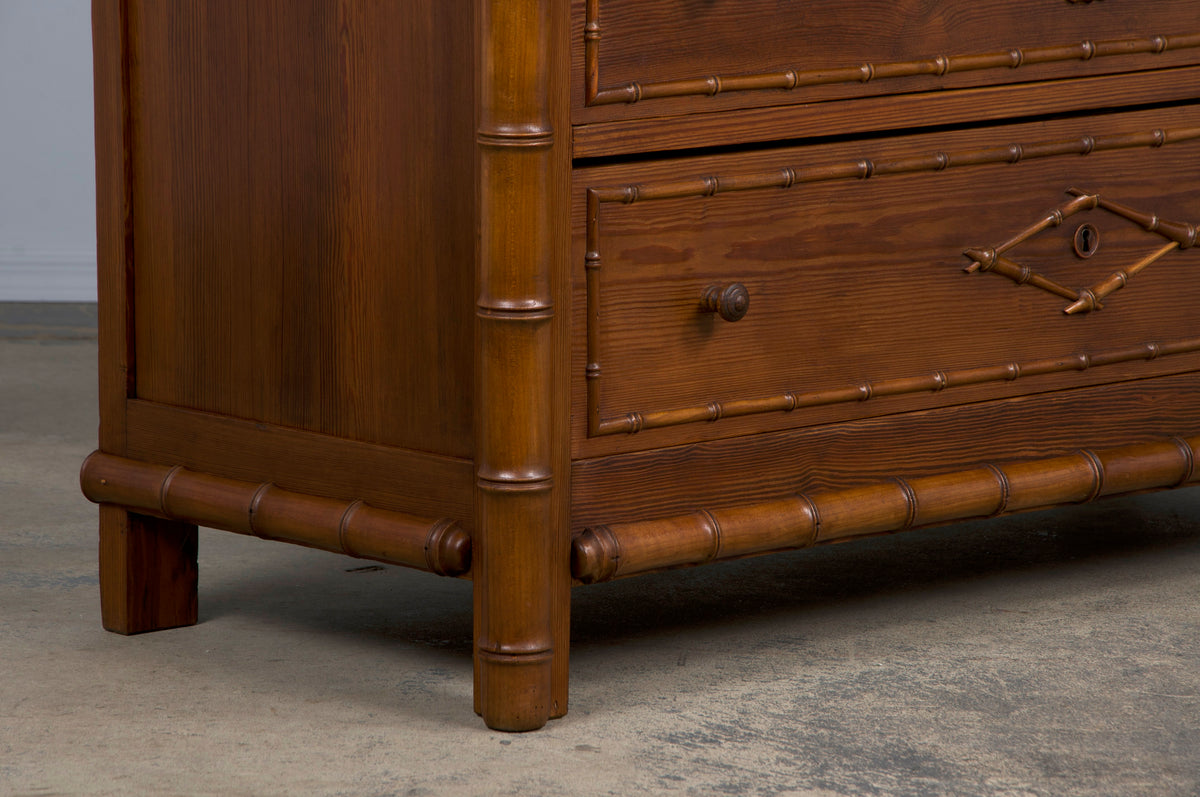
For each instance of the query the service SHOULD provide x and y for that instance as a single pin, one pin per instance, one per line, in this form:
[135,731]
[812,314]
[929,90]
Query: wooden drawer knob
[731,302]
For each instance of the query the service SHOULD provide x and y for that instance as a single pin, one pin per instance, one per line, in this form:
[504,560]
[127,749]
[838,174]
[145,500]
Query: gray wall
[47,171]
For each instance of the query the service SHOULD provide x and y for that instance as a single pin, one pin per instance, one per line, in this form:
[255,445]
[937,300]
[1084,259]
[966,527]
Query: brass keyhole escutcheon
[1087,240]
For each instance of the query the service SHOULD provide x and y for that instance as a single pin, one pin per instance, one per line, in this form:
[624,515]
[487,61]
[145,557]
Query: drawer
[869,284]
[636,58]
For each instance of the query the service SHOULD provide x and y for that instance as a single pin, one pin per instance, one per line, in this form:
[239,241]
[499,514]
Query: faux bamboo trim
[868,391]
[520,157]
[602,553]
[264,510]
[793,79]
[1181,235]
[866,168]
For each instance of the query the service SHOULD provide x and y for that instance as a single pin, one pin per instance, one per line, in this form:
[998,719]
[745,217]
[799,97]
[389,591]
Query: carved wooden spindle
[1086,240]
[601,553]
[633,422]
[517,545]
[1053,218]
[988,260]
[181,496]
[1181,232]
[1090,298]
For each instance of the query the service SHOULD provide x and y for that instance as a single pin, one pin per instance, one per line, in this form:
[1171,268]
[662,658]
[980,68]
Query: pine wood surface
[320,465]
[380,278]
[523,156]
[265,510]
[902,113]
[856,285]
[638,59]
[148,572]
[113,222]
[310,267]
[719,473]
[799,520]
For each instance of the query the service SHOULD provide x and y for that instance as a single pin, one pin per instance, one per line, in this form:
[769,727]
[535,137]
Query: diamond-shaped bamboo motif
[1179,235]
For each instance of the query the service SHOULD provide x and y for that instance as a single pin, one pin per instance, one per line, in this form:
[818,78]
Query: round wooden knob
[731,302]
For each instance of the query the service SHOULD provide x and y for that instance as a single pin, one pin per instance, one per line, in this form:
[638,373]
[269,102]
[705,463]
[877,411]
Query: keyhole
[1087,240]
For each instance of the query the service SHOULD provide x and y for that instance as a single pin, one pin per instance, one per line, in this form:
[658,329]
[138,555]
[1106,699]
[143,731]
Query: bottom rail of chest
[605,552]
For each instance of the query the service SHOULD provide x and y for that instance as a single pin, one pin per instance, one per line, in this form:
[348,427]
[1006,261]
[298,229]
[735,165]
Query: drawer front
[870,279]
[638,58]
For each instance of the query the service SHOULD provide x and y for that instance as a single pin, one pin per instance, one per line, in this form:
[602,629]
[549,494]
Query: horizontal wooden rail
[602,553]
[793,79]
[264,510]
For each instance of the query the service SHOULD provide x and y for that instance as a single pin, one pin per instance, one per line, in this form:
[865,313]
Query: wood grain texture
[147,566]
[264,510]
[628,136]
[330,467]
[517,548]
[364,288]
[874,232]
[113,220]
[304,215]
[797,521]
[760,468]
[148,572]
[642,59]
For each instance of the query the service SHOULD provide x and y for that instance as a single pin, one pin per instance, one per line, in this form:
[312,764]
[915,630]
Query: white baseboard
[47,276]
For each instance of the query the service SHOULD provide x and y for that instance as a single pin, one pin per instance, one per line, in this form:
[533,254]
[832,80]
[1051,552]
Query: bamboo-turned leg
[514,637]
[147,572]
[520,554]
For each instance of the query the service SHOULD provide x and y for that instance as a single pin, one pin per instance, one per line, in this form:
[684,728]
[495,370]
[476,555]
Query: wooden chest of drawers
[543,293]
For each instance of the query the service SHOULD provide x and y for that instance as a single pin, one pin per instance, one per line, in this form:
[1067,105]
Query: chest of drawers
[545,293]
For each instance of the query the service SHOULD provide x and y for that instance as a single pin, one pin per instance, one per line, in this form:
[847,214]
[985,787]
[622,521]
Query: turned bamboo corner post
[520,596]
[147,565]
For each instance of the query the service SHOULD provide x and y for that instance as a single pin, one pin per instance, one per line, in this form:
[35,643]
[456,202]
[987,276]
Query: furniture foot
[147,572]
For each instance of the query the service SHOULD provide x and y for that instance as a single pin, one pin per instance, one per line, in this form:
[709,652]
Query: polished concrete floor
[1050,654]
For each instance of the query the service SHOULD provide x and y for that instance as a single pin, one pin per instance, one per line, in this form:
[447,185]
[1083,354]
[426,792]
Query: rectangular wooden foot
[147,572]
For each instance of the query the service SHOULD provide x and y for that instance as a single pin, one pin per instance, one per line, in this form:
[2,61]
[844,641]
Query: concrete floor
[1053,654]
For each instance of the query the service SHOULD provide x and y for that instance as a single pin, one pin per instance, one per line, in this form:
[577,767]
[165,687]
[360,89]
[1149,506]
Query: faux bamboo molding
[862,169]
[272,513]
[602,553]
[793,79]
[866,168]
[1180,234]
[514,583]
[922,383]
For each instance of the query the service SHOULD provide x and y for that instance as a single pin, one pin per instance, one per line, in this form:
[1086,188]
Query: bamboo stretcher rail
[603,553]
[264,510]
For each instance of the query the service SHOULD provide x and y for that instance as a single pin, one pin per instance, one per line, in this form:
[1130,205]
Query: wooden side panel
[147,565]
[313,464]
[113,220]
[303,209]
[637,59]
